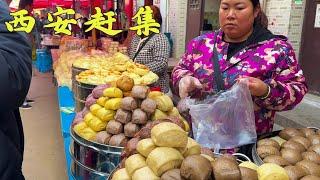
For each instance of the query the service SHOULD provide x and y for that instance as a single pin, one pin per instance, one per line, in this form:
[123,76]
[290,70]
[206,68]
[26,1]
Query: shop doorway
[202,17]
[210,16]
[194,19]
[309,52]
[148,2]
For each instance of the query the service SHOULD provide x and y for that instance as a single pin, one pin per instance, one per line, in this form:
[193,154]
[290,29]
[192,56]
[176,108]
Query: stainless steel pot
[91,160]
[74,72]
[81,172]
[74,89]
[81,92]
[79,104]
[256,158]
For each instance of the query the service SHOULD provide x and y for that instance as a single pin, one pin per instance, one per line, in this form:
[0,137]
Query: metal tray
[79,104]
[82,90]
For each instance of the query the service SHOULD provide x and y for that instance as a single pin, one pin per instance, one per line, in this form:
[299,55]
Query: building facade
[285,18]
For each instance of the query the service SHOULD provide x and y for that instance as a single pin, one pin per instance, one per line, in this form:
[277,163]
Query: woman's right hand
[188,84]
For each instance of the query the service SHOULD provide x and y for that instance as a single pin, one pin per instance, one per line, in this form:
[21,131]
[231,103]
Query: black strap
[216,67]
[142,45]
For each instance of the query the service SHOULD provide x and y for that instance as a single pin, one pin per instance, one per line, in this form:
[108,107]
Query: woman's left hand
[256,86]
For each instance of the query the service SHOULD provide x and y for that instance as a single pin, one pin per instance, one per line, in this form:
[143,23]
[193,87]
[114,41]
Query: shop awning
[65,3]
[14,5]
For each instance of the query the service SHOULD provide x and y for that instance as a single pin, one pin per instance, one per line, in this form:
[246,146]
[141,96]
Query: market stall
[163,149]
[117,126]
[83,9]
[127,131]
[64,51]
[117,111]
[121,131]
[118,135]
[65,3]
[80,74]
[62,71]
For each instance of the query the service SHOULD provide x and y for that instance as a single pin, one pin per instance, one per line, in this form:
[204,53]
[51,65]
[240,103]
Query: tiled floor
[306,114]
[44,157]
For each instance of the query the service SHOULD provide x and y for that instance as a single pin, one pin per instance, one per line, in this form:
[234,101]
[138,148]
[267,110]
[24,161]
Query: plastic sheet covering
[225,120]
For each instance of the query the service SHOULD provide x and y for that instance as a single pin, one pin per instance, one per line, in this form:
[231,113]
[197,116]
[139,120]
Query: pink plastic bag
[225,120]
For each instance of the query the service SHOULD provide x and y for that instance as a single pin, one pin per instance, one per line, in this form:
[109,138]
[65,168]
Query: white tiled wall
[278,13]
[177,25]
[295,26]
[286,18]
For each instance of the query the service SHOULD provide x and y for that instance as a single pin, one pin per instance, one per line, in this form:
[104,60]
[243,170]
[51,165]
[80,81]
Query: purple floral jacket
[272,61]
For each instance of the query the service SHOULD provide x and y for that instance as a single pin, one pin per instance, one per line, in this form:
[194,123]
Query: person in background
[36,31]
[15,76]
[42,21]
[35,39]
[75,29]
[45,21]
[245,49]
[153,51]
[85,27]
[39,24]
[123,23]
[26,104]
[207,26]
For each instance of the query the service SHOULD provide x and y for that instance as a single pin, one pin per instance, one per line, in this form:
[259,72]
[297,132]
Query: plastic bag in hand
[225,120]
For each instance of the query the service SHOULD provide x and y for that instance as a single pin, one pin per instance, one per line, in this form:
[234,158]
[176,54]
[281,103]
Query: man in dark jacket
[15,77]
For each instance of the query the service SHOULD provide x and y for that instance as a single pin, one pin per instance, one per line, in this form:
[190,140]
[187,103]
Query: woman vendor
[243,48]
[153,51]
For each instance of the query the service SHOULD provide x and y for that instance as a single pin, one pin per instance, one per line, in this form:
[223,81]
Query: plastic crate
[66,121]
[44,61]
